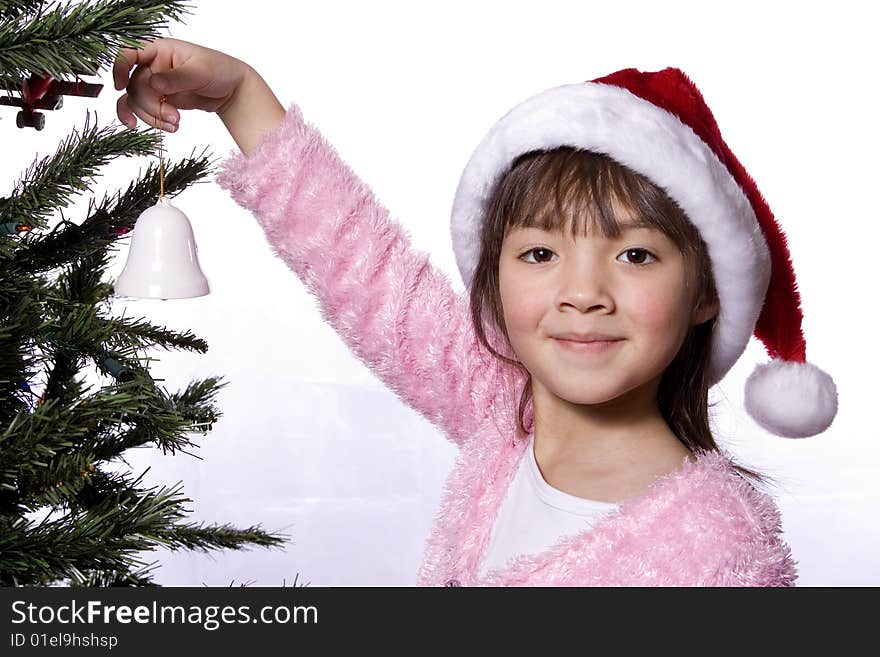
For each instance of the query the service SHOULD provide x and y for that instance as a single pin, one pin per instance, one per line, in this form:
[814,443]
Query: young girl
[617,257]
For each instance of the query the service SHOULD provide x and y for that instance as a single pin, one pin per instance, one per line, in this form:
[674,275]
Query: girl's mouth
[594,347]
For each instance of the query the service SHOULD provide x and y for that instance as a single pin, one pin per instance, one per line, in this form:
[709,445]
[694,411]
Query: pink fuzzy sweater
[701,525]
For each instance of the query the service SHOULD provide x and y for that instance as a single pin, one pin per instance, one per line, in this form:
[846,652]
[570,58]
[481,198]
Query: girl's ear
[705,312]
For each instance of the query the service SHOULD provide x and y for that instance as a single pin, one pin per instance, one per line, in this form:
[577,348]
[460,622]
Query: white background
[311,444]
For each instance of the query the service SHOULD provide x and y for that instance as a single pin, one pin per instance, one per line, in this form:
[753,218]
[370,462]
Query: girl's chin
[592,395]
[597,398]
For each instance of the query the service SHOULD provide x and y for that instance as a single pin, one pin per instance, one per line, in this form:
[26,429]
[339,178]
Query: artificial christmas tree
[67,514]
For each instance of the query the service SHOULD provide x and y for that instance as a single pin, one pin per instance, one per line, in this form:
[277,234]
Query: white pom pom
[791,399]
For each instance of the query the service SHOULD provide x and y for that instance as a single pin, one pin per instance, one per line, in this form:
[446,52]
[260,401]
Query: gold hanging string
[161,166]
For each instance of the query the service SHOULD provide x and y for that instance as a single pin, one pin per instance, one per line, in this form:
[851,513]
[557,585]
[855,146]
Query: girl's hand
[190,76]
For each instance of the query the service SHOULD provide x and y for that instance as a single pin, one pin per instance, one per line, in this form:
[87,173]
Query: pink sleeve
[763,558]
[393,309]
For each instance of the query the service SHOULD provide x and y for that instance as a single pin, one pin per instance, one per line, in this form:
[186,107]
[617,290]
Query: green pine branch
[81,329]
[35,448]
[60,484]
[215,537]
[82,39]
[106,537]
[10,9]
[49,184]
[89,240]
[98,578]
[139,335]
[31,440]
[19,316]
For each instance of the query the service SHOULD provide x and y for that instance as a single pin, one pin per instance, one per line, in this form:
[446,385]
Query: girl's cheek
[520,310]
[524,310]
[658,309]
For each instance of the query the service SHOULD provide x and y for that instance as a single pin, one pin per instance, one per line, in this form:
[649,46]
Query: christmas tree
[68,513]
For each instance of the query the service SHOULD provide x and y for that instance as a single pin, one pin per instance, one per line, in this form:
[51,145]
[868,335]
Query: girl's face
[556,289]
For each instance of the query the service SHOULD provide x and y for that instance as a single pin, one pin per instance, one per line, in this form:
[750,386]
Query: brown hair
[546,189]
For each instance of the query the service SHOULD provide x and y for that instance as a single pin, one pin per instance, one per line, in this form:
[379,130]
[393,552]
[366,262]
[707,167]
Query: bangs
[579,191]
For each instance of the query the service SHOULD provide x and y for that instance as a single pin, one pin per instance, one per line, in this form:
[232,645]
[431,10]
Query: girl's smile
[587,347]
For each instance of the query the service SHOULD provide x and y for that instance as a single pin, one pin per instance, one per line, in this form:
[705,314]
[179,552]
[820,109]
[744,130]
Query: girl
[617,257]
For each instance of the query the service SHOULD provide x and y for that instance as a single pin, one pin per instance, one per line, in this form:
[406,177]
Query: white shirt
[535,516]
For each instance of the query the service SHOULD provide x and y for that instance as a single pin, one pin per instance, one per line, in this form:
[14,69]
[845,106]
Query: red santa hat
[657,124]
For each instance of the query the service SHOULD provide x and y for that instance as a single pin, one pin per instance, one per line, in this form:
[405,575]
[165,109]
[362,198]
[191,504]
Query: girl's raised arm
[395,311]
[191,76]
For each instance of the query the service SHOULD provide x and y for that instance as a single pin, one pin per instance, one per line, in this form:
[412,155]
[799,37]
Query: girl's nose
[584,285]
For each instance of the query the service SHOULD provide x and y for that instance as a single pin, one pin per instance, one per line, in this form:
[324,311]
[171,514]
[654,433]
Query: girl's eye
[539,249]
[635,256]
[639,256]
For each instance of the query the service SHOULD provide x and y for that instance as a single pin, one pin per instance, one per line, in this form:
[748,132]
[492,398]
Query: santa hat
[657,124]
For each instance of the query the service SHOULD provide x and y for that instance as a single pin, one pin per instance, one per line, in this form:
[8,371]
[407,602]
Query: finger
[129,57]
[141,94]
[148,116]
[123,111]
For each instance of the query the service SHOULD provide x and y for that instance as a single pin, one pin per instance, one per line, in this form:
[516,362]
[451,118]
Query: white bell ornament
[163,258]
